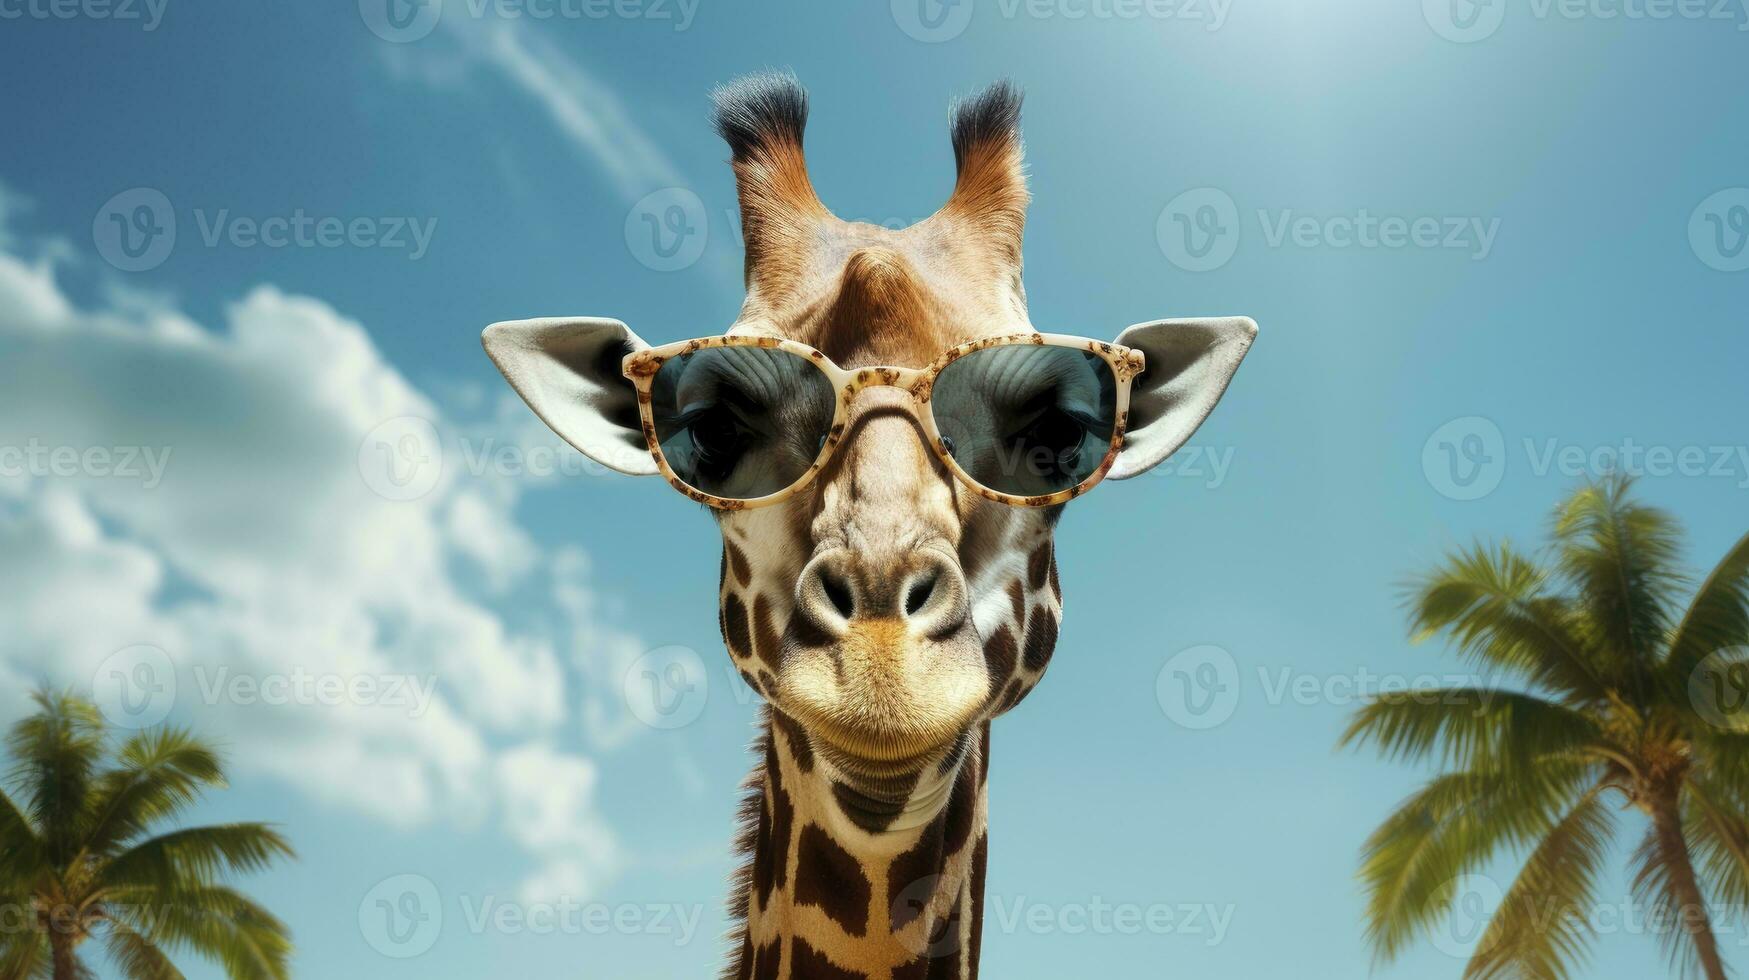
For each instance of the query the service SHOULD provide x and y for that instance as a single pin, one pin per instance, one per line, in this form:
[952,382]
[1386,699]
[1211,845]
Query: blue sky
[1487,247]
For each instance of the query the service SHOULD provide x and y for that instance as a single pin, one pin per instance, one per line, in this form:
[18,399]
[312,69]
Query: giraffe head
[885,608]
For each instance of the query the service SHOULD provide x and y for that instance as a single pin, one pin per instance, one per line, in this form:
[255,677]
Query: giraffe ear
[568,371]
[1190,363]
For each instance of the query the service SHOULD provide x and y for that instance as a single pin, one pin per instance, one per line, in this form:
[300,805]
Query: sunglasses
[1028,420]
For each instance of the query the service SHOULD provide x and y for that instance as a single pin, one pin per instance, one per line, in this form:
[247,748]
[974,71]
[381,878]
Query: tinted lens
[741,422]
[1027,420]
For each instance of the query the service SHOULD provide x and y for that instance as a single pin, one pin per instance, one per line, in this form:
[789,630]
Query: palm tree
[78,861]
[1627,698]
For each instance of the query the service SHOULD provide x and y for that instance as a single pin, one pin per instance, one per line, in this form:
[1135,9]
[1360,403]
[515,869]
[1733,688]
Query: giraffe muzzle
[920,592]
[882,659]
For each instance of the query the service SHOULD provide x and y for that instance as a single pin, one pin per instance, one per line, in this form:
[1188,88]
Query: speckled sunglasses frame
[640,368]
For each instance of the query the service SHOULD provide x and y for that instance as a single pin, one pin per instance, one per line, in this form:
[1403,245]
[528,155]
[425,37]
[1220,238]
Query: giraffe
[884,614]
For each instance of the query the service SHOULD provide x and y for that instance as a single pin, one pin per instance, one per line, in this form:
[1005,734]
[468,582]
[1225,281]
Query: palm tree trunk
[1673,853]
[61,948]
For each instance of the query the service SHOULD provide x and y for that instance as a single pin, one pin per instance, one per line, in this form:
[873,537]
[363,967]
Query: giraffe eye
[741,422]
[719,440]
[1026,420]
[1050,443]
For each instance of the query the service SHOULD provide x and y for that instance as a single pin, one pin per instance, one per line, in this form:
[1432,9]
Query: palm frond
[1453,825]
[137,957]
[161,771]
[1621,557]
[1540,928]
[1717,618]
[22,855]
[195,856]
[24,952]
[1717,829]
[1470,728]
[1495,605]
[218,923]
[57,750]
[1721,761]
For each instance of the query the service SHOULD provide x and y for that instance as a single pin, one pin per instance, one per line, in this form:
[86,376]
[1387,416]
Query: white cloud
[261,554]
[483,532]
[549,807]
[585,111]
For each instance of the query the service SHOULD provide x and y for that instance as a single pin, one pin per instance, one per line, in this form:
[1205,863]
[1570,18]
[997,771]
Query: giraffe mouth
[880,795]
[882,689]
[876,755]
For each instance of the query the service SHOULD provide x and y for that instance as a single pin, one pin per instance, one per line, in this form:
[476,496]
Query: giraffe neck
[861,875]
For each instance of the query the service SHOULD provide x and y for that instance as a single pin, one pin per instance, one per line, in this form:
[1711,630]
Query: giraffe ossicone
[885,613]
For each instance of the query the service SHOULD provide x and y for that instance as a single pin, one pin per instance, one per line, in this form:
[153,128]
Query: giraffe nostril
[838,592]
[918,595]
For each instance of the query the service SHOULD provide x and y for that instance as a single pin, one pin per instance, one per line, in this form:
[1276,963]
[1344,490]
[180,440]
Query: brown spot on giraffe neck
[1017,603]
[735,560]
[849,903]
[828,876]
[1038,566]
[768,641]
[999,656]
[733,620]
[1041,639]
[808,963]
